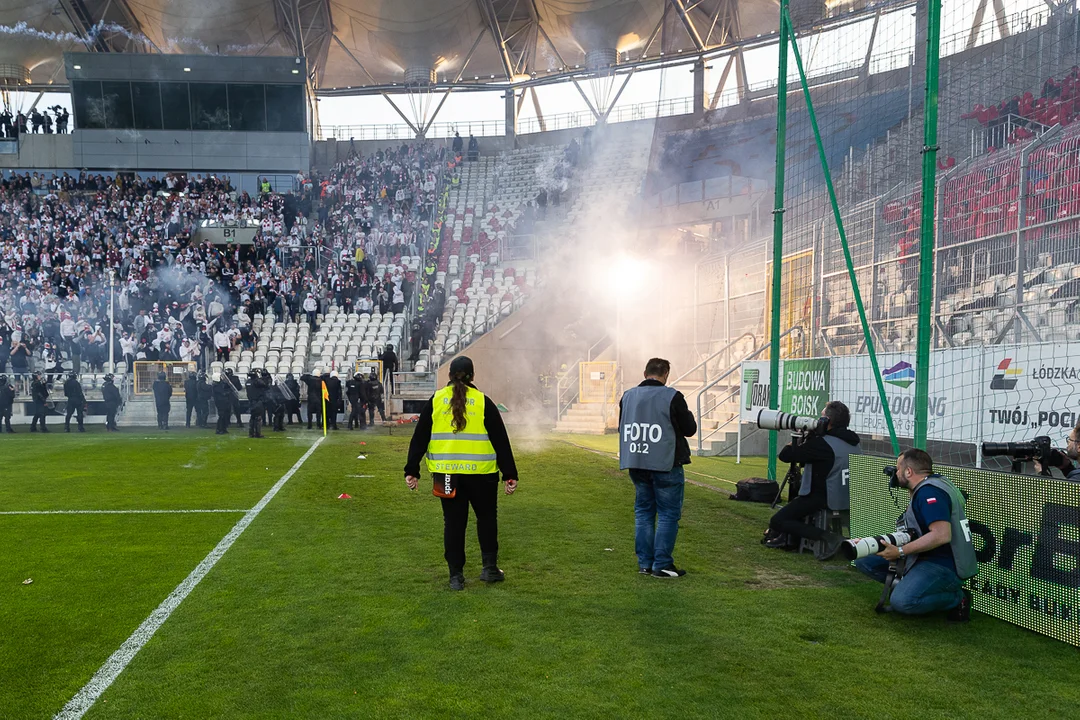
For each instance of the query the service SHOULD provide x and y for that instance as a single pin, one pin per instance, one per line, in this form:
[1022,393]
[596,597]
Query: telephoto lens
[777,420]
[857,548]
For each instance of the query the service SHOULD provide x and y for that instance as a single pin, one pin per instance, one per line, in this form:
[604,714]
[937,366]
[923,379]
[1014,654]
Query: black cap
[461,365]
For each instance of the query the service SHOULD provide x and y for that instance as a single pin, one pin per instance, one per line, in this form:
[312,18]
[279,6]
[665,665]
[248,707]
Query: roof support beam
[577,85]
[644,52]
[372,78]
[688,23]
[457,79]
[488,9]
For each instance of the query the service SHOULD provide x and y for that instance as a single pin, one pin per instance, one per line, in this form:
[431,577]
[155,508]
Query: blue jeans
[928,587]
[657,509]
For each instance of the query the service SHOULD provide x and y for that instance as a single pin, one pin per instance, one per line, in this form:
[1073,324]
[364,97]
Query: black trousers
[371,406]
[314,412]
[236,409]
[482,492]
[331,409]
[789,519]
[188,409]
[5,418]
[202,411]
[163,416]
[110,417]
[255,420]
[292,407]
[223,418]
[75,409]
[356,417]
[39,415]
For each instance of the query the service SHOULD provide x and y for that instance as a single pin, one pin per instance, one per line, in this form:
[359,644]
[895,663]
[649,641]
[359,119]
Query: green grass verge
[330,608]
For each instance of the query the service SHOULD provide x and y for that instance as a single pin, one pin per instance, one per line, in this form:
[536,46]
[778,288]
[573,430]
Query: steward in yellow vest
[461,437]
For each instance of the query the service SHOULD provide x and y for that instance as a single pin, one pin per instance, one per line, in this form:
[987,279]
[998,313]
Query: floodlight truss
[309,29]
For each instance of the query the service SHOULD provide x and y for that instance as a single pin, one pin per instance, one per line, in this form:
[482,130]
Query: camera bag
[756,489]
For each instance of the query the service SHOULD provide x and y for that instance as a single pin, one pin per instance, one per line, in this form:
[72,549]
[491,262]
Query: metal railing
[731,393]
[568,389]
[704,364]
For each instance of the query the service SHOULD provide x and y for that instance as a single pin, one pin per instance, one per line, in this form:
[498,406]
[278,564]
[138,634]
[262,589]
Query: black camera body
[889,471]
[1038,449]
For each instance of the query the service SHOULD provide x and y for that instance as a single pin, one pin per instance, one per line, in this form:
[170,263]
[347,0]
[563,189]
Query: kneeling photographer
[824,480]
[930,568]
[1063,461]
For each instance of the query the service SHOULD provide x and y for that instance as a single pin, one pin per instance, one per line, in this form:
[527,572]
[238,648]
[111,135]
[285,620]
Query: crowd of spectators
[179,297]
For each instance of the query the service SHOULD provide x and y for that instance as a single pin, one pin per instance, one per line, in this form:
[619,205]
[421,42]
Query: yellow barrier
[366,365]
[599,382]
[146,372]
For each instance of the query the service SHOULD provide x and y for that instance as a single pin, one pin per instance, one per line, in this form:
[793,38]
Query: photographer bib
[646,434]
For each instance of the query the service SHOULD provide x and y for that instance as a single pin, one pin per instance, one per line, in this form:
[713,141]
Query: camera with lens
[1039,449]
[777,420]
[856,548]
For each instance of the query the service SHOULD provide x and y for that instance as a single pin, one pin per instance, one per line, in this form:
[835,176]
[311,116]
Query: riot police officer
[314,396]
[7,403]
[375,398]
[256,390]
[275,402]
[110,394]
[333,389]
[292,401]
[223,402]
[204,393]
[191,397]
[76,402]
[162,393]
[39,395]
[462,437]
[356,391]
[237,386]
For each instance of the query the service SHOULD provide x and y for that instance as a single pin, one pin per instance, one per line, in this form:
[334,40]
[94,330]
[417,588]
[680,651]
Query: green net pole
[926,236]
[778,233]
[786,22]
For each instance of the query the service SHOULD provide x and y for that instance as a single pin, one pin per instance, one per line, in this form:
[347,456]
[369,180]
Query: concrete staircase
[588,419]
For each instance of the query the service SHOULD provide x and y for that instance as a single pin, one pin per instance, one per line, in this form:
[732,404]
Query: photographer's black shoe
[669,572]
[644,571]
[962,612]
[457,581]
[491,572]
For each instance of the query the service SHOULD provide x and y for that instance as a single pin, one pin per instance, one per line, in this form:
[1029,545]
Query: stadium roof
[354,43]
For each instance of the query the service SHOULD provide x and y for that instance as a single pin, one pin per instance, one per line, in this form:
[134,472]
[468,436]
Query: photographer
[1064,461]
[931,568]
[824,480]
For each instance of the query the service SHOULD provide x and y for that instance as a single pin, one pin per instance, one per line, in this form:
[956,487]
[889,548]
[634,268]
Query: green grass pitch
[328,608]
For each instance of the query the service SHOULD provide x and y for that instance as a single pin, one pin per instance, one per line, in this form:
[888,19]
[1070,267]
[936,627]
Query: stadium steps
[587,419]
[141,411]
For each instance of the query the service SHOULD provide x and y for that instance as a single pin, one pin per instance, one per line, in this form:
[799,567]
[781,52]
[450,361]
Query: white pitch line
[107,673]
[113,512]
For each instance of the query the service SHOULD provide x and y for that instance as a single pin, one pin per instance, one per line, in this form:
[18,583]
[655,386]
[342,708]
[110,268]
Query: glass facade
[188,106]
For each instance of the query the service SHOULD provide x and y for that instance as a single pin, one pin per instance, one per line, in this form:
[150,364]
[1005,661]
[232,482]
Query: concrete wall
[40,151]
[191,150]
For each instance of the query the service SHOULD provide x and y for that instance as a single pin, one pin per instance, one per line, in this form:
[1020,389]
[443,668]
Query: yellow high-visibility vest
[468,452]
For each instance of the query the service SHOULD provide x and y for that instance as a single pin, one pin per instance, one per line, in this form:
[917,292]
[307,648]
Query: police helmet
[109,377]
[217,377]
[358,376]
[265,373]
[333,373]
[161,376]
[289,376]
[228,371]
[73,376]
[202,375]
[3,379]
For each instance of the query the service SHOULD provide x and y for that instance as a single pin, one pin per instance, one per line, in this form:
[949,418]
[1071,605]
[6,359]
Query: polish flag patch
[931,501]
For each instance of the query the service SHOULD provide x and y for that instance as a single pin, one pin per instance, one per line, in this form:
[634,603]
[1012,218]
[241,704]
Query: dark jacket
[681,418]
[73,391]
[7,395]
[314,389]
[162,392]
[223,394]
[191,390]
[333,389]
[110,394]
[356,391]
[39,391]
[294,389]
[817,453]
[504,455]
[204,392]
[374,391]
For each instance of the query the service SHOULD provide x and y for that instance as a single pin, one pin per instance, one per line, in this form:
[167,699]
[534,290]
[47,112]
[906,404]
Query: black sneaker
[492,575]
[669,572]
[457,581]
[962,612]
[644,571]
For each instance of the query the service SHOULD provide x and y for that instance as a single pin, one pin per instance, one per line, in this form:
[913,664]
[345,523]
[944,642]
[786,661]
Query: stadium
[367,246]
